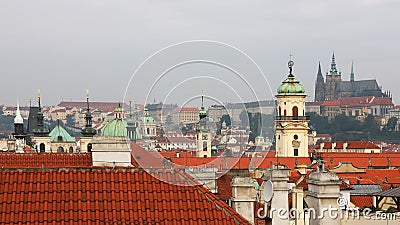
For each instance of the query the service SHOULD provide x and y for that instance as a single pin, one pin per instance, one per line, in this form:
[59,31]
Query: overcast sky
[66,47]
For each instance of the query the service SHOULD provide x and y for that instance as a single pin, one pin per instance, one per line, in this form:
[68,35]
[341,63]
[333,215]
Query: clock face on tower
[204,137]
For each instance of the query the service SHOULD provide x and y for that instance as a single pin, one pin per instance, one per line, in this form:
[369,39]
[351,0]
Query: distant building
[395,112]
[334,87]
[351,146]
[185,115]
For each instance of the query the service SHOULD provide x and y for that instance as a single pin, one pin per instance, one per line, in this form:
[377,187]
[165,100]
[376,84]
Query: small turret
[88,130]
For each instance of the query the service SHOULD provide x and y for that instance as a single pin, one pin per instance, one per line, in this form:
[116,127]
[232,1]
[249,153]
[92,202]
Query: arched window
[148,131]
[284,112]
[71,150]
[60,149]
[279,111]
[89,147]
[204,145]
[295,111]
[42,147]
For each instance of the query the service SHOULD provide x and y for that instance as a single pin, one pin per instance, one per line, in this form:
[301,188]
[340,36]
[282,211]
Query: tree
[226,119]
[391,124]
[245,119]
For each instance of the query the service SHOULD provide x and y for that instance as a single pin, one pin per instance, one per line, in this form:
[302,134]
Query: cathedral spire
[352,72]
[319,95]
[333,70]
[319,69]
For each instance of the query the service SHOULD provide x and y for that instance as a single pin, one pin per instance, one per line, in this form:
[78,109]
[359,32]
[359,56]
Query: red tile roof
[364,101]
[352,145]
[361,201]
[44,160]
[107,196]
[362,160]
[331,103]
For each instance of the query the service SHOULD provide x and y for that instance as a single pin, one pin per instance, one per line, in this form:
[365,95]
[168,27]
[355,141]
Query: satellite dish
[268,190]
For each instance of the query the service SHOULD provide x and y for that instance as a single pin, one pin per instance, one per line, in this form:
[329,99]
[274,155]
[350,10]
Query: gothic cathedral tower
[319,95]
[333,78]
[291,124]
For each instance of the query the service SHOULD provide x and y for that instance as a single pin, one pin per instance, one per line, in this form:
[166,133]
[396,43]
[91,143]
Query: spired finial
[202,99]
[38,96]
[290,65]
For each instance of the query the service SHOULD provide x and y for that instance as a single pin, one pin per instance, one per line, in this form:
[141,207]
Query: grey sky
[65,47]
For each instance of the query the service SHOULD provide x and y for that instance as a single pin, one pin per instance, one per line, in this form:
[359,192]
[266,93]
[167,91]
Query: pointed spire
[202,99]
[88,131]
[38,96]
[202,113]
[352,72]
[87,100]
[333,70]
[319,68]
[18,118]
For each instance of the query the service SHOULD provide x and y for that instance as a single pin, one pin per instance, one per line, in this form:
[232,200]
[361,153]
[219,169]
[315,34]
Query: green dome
[115,128]
[59,134]
[147,120]
[291,86]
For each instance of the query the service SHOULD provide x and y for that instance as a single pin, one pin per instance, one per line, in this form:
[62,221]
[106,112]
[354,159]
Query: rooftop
[107,196]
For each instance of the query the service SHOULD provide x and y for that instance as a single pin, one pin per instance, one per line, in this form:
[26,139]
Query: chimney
[345,144]
[323,193]
[243,197]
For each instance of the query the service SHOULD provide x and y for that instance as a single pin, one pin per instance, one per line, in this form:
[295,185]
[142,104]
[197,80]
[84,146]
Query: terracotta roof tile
[44,160]
[361,201]
[107,196]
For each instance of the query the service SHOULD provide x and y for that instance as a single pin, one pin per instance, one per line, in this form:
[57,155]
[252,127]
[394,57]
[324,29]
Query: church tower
[319,95]
[203,134]
[333,78]
[41,138]
[291,124]
[88,131]
[19,133]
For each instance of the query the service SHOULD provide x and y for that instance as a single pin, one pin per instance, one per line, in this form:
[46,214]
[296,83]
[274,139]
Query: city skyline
[65,48]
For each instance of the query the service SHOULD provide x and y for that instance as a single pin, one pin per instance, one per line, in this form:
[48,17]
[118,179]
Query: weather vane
[290,64]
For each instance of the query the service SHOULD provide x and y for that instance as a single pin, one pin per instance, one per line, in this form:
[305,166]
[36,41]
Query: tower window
[296,152]
[41,147]
[60,149]
[89,147]
[71,150]
[204,145]
[295,137]
[284,112]
[295,111]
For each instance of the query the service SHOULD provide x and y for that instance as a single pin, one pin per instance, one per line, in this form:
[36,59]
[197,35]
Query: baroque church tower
[88,131]
[291,124]
[203,134]
[319,95]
